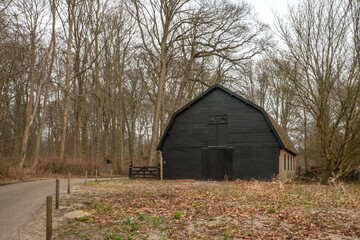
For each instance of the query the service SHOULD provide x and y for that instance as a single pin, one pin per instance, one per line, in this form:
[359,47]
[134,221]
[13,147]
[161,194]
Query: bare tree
[135,95]
[121,30]
[48,82]
[158,22]
[316,35]
[225,32]
[34,17]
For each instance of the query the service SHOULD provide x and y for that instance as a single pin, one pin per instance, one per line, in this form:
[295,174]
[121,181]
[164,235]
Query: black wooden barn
[221,135]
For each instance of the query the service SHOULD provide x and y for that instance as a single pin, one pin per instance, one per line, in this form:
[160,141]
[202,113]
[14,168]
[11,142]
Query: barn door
[217,163]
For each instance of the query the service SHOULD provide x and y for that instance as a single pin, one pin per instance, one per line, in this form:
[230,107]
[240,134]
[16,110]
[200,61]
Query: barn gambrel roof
[280,134]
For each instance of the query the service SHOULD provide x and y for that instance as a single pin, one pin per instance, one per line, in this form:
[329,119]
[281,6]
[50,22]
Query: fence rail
[144,172]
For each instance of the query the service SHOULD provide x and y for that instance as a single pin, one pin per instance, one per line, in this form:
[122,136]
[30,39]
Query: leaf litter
[189,209]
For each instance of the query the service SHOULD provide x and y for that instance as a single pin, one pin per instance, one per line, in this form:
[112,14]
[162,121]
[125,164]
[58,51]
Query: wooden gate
[144,172]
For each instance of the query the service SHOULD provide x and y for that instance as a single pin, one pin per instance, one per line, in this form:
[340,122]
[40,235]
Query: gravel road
[20,201]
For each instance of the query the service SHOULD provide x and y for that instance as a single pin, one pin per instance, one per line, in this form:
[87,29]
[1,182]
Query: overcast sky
[265,9]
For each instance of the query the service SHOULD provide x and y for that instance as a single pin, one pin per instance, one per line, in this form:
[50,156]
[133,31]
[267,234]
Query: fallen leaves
[184,209]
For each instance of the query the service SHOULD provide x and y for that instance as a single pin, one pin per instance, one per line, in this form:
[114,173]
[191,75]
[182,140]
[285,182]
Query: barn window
[217,130]
[288,163]
[284,161]
[217,119]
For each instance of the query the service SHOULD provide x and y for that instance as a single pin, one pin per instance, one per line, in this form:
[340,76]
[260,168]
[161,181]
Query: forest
[89,82]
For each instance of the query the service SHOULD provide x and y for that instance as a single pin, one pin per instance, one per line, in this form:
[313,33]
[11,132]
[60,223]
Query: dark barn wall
[256,150]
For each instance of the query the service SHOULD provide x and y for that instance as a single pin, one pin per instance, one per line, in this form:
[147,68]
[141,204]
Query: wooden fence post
[48,217]
[68,189]
[85,177]
[130,169]
[96,174]
[161,167]
[57,194]
[158,171]
[112,174]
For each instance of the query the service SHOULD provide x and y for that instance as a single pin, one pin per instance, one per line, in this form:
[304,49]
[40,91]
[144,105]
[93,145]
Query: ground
[188,209]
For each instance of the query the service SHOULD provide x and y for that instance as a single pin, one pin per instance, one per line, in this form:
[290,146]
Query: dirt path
[20,202]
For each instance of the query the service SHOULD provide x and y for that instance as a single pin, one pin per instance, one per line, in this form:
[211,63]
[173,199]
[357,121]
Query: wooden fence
[144,172]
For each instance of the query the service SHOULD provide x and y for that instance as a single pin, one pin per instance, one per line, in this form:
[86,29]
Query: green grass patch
[156,221]
[103,208]
[226,235]
[83,218]
[132,223]
[177,215]
[163,237]
[271,210]
[114,236]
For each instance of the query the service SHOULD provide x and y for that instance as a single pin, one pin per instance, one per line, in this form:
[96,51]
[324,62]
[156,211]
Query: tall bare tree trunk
[187,75]
[83,115]
[71,16]
[98,104]
[84,133]
[167,12]
[305,143]
[77,107]
[114,133]
[121,140]
[159,95]
[29,107]
[120,65]
[44,112]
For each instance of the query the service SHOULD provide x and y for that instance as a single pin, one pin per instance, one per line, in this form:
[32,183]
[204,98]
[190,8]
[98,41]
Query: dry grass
[187,209]
[50,167]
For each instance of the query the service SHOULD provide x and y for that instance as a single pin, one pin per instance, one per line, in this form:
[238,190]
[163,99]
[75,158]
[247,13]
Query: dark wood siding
[256,149]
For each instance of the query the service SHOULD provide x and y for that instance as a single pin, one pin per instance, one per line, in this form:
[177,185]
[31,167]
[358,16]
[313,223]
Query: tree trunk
[43,117]
[30,100]
[159,97]
[187,75]
[83,115]
[77,108]
[84,133]
[71,12]
[120,64]
[121,141]
[305,143]
[114,142]
[98,104]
